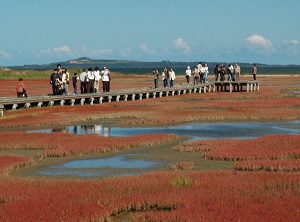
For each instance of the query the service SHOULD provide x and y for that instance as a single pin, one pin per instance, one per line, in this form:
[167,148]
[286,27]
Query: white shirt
[82,76]
[90,75]
[188,72]
[105,75]
[97,75]
[172,75]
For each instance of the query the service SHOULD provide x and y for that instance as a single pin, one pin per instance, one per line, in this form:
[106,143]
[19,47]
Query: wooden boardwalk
[13,103]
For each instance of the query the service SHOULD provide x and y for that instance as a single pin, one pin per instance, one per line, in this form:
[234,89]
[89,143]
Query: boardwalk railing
[13,103]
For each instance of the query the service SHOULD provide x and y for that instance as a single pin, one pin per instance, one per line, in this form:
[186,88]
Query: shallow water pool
[124,165]
[197,131]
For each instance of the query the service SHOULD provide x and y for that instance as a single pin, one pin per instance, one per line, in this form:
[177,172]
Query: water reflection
[197,131]
[122,165]
[125,165]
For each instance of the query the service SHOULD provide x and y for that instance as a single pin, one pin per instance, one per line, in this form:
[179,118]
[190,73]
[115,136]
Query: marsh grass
[31,74]
[182,182]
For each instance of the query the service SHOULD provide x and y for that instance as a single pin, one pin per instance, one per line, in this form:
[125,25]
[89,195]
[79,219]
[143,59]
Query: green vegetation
[30,74]
[182,182]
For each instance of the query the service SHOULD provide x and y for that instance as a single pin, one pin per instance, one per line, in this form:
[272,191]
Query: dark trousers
[54,89]
[106,86]
[83,87]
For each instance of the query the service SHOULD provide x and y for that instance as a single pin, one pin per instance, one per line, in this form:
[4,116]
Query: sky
[47,31]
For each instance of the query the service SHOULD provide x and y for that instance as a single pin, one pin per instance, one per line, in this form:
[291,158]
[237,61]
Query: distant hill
[85,62]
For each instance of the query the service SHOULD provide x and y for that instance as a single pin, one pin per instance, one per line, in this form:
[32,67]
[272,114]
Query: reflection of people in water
[60,130]
[85,129]
[106,131]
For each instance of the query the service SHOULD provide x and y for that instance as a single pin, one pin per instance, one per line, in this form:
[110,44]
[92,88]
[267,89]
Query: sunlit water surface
[124,165]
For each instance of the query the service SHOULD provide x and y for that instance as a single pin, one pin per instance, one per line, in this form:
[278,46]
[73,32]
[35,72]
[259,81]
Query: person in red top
[21,89]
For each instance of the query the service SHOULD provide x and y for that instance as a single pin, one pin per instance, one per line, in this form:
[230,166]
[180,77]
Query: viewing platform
[13,103]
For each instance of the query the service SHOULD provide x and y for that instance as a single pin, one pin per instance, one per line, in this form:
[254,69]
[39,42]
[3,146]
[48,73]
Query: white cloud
[147,50]
[181,44]
[125,52]
[83,50]
[293,42]
[4,55]
[258,41]
[290,47]
[60,51]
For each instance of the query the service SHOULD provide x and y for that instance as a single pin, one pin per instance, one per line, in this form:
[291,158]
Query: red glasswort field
[63,144]
[265,185]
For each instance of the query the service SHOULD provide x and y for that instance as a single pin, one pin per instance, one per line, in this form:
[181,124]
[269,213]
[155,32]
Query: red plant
[9,163]
[63,144]
[214,196]
[290,165]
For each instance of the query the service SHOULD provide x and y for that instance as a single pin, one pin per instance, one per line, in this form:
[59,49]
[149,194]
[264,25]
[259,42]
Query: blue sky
[46,31]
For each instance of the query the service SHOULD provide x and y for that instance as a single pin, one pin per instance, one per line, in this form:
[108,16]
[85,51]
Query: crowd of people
[89,81]
[200,74]
[233,72]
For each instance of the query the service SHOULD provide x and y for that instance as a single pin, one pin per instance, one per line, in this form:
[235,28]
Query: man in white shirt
[83,78]
[106,79]
[188,73]
[97,78]
[90,81]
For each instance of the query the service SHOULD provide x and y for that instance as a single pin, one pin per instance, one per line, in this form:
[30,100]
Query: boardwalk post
[15,106]
[82,101]
[101,99]
[40,104]
[1,110]
[92,101]
[27,105]
[72,101]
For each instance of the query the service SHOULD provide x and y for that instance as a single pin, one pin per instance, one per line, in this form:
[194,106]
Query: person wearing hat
[188,73]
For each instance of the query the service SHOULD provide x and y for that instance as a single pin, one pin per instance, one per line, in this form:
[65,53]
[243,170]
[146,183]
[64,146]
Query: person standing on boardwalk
[237,71]
[156,75]
[254,71]
[222,73]
[53,78]
[164,75]
[21,89]
[172,77]
[90,81]
[206,72]
[65,80]
[106,79]
[217,72]
[188,73]
[83,78]
[97,79]
[230,71]
[196,75]
[74,80]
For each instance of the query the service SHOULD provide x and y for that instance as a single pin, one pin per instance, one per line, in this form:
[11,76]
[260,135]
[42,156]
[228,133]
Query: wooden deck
[13,103]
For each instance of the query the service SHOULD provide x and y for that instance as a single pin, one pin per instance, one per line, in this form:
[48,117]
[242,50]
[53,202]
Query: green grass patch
[182,182]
